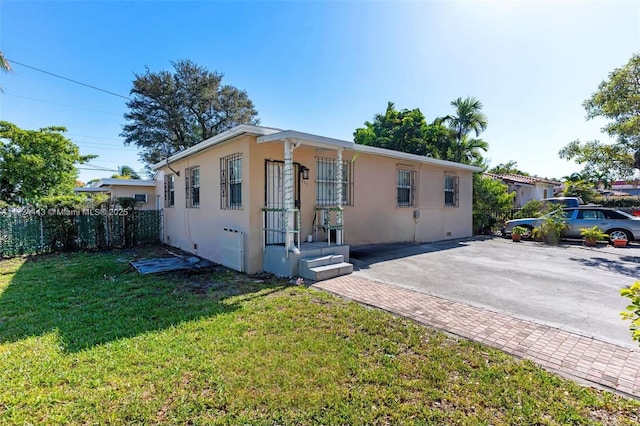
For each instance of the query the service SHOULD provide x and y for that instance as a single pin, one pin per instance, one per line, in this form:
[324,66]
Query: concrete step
[325,272]
[312,262]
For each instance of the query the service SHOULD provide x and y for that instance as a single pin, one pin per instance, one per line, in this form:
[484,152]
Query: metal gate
[274,199]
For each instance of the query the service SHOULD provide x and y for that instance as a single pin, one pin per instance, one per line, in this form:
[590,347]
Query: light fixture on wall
[305,172]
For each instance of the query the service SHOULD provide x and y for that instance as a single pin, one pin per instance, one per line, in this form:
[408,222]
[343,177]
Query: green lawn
[84,339]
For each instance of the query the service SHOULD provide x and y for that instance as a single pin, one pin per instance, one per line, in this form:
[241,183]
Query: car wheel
[528,234]
[619,234]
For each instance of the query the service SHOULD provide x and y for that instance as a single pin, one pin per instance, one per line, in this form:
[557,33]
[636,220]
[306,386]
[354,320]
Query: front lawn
[84,339]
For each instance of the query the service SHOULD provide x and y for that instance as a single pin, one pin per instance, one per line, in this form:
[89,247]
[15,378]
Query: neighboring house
[144,191]
[251,197]
[527,188]
[630,187]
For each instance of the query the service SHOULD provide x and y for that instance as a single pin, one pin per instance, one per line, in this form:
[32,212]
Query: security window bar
[169,191]
[451,191]
[192,187]
[231,182]
[327,177]
[405,184]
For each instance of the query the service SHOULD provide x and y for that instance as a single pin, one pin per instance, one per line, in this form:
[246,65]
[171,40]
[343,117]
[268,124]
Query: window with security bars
[451,191]
[192,187]
[327,178]
[405,184]
[169,191]
[231,182]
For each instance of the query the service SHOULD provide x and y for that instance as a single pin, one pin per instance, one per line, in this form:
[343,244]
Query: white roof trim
[413,157]
[324,142]
[214,140]
[89,189]
[267,134]
[307,139]
[125,182]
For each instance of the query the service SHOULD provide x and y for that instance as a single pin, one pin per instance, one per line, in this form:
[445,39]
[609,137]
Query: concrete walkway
[571,355]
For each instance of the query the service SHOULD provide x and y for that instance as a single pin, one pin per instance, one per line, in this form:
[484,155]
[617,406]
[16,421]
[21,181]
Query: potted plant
[551,228]
[592,236]
[619,243]
[517,232]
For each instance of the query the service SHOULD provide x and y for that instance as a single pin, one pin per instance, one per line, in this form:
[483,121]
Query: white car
[617,224]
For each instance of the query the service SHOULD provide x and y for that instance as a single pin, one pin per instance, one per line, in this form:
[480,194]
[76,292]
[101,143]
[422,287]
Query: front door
[274,199]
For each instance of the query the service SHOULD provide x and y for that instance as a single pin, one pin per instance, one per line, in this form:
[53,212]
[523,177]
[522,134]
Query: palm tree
[468,118]
[126,172]
[470,150]
[4,64]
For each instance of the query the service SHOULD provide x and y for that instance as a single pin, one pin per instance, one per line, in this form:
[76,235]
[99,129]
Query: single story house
[257,198]
[143,191]
[630,187]
[527,188]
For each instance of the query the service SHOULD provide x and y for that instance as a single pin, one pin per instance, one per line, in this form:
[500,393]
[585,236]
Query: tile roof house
[257,198]
[527,187]
[623,187]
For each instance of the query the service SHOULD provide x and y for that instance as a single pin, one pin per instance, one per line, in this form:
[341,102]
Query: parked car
[617,224]
[564,201]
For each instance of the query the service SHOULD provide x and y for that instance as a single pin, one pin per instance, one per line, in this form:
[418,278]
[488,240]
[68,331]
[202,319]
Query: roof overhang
[90,189]
[330,143]
[215,140]
[414,157]
[269,135]
[306,139]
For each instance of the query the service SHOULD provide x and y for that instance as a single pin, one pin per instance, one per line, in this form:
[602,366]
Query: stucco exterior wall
[373,218]
[129,191]
[526,193]
[198,230]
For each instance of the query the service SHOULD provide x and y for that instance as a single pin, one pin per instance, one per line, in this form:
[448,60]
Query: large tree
[36,163]
[170,111]
[510,167]
[404,130]
[408,131]
[618,100]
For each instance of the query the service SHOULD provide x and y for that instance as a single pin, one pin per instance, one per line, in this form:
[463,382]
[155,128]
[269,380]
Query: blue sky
[325,67]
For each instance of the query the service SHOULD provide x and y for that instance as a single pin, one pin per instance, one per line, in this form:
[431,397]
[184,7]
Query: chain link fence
[37,231]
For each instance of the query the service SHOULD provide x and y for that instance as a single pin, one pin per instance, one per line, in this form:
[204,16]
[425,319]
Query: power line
[68,79]
[56,103]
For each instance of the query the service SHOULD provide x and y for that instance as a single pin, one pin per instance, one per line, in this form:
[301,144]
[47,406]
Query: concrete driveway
[570,287]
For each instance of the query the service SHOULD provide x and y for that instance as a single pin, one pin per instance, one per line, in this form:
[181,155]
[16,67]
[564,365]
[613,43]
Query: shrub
[632,312]
[551,228]
[533,208]
[617,202]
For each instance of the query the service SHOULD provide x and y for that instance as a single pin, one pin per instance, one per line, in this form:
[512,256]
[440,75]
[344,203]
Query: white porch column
[339,196]
[289,204]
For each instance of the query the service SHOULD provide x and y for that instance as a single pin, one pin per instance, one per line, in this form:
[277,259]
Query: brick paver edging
[591,360]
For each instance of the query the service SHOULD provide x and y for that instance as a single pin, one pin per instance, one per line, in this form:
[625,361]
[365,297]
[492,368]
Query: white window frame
[326,179]
[192,187]
[231,182]
[406,181]
[170,191]
[451,191]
